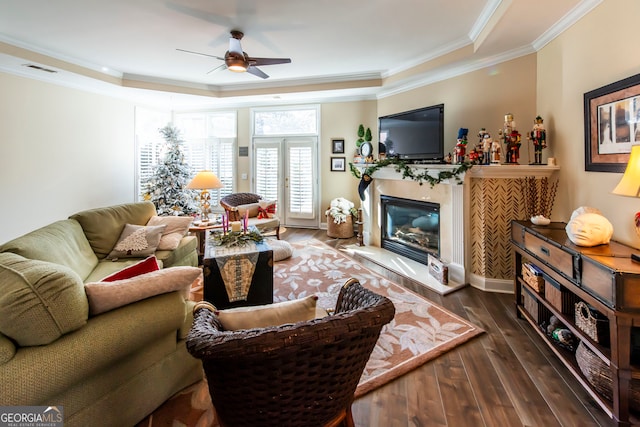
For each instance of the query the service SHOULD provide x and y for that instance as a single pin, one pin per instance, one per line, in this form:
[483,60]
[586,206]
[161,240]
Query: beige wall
[600,49]
[478,100]
[62,150]
[341,120]
[244,140]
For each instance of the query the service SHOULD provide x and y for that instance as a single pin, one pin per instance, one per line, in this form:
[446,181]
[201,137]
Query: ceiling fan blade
[257,72]
[201,54]
[268,61]
[218,68]
[234,46]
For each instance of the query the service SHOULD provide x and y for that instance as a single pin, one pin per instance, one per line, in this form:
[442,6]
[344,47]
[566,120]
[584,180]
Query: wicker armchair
[297,375]
[235,204]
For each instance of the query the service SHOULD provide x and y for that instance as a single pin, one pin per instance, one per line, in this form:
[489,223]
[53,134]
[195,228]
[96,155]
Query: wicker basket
[588,322]
[344,230]
[599,376]
[529,275]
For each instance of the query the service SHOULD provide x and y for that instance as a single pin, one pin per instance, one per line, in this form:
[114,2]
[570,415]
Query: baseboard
[488,284]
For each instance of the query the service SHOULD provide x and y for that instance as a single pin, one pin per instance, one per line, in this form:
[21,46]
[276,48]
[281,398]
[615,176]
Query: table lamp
[629,185]
[205,181]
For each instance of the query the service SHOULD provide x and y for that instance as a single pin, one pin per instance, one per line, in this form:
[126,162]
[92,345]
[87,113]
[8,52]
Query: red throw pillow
[147,265]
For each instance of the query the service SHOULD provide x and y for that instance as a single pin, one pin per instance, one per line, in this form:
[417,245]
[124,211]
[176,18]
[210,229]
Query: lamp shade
[205,180]
[629,185]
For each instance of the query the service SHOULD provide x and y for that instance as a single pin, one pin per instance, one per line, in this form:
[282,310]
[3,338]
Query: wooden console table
[605,278]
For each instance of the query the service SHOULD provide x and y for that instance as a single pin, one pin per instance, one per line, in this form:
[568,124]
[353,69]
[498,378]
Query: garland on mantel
[407,172]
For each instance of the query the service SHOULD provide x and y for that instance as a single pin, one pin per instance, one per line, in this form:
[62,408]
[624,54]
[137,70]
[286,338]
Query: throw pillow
[137,241]
[251,207]
[105,296]
[40,301]
[147,265]
[266,209]
[177,228]
[263,316]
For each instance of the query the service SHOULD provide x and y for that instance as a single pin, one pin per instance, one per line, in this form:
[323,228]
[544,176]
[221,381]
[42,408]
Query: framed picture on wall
[337,146]
[611,124]
[338,164]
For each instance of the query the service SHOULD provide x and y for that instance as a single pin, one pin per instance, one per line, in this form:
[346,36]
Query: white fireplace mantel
[455,199]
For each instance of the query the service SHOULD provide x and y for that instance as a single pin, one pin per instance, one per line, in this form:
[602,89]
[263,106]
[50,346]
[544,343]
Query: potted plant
[340,217]
[361,135]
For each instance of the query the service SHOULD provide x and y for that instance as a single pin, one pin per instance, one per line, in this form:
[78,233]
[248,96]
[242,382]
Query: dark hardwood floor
[505,377]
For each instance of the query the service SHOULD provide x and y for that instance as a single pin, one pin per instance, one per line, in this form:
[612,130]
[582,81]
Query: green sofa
[112,368]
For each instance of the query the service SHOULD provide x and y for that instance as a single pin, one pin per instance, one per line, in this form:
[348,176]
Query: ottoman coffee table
[237,276]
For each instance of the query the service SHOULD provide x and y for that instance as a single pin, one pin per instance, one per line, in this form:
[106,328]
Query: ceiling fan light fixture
[237,66]
[236,62]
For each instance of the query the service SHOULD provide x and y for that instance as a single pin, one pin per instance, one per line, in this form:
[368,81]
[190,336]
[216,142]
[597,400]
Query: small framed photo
[612,124]
[338,164]
[337,146]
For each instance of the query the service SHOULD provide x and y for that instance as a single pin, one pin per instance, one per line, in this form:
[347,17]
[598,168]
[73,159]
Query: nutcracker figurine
[461,145]
[539,138]
[511,140]
[487,144]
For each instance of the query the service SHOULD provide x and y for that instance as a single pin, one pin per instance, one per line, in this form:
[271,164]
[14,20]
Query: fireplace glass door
[410,227]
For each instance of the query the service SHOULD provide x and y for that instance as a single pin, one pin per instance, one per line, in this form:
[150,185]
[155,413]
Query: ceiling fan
[235,59]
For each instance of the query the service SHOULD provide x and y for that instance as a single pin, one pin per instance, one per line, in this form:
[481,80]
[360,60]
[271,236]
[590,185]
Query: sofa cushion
[107,267]
[147,265]
[7,349]
[263,316]
[62,242]
[103,226]
[176,228]
[39,301]
[137,241]
[105,296]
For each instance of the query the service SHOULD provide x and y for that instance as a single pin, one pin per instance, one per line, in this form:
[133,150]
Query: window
[149,142]
[295,121]
[209,144]
[285,158]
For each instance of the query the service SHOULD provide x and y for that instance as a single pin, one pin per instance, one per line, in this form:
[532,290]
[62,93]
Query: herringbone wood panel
[494,203]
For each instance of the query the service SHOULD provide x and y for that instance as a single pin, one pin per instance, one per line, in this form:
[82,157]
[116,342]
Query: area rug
[420,331]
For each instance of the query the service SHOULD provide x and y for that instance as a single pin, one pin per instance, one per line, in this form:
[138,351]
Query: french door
[285,169]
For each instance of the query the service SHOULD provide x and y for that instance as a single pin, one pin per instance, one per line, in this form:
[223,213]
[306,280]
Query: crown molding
[565,22]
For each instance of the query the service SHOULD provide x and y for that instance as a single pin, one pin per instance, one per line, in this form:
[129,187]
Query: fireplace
[410,227]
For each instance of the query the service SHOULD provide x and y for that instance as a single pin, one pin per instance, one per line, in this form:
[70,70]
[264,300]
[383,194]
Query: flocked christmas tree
[166,186]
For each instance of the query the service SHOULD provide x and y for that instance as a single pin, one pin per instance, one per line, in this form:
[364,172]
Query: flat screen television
[416,135]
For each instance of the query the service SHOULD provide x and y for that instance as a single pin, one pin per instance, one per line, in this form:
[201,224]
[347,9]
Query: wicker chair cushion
[251,208]
[263,316]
